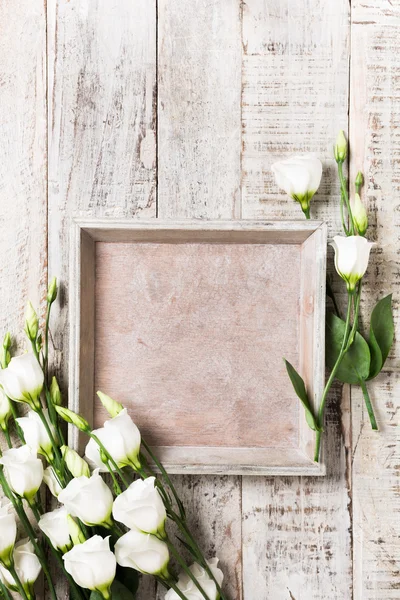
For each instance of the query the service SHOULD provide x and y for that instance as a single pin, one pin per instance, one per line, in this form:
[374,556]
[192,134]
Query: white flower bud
[27,565]
[52,482]
[55,526]
[121,438]
[92,565]
[351,258]
[112,407]
[143,552]
[35,433]
[31,322]
[141,507]
[75,463]
[360,215]
[5,409]
[8,534]
[23,470]
[88,499]
[300,177]
[23,380]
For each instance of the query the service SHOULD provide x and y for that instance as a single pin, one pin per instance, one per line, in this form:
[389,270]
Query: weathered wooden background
[177,108]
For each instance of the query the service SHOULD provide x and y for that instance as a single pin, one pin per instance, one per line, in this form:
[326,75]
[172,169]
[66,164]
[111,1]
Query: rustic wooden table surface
[176,109]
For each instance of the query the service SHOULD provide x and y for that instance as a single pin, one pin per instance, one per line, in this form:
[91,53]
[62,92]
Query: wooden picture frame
[289,257]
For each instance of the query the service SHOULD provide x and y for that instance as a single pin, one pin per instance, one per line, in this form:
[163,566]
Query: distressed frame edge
[93,228]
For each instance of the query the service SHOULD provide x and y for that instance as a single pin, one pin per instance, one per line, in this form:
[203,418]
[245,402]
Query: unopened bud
[75,532]
[360,216]
[52,291]
[112,407]
[70,417]
[31,322]
[55,393]
[340,149]
[76,465]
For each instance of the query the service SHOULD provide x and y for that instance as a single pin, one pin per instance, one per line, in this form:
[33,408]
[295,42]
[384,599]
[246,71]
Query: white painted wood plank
[102,157]
[374,120]
[199,97]
[102,126]
[295,97]
[199,66]
[23,138]
[295,90]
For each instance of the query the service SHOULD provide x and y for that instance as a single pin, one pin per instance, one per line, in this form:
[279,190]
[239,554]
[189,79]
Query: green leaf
[356,362]
[381,335]
[129,578]
[301,392]
[118,592]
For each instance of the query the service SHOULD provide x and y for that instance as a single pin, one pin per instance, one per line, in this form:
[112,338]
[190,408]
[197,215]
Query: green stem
[46,342]
[342,352]
[356,315]
[177,591]
[166,477]
[110,458]
[184,566]
[345,229]
[368,404]
[18,583]
[197,551]
[306,211]
[18,428]
[331,294]
[4,592]
[117,487]
[343,186]
[56,450]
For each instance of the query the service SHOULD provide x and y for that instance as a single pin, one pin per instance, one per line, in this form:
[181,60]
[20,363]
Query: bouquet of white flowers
[100,537]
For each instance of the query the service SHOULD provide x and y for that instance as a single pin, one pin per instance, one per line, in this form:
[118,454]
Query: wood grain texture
[102,121]
[295,98]
[199,87]
[199,177]
[374,118]
[102,128]
[23,137]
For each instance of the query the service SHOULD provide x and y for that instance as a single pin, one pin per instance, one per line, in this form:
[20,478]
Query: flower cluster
[97,532]
[300,177]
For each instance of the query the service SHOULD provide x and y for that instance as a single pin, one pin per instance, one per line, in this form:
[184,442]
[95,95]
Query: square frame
[311,236]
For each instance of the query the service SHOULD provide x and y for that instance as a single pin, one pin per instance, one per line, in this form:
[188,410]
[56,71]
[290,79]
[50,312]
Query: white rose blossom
[351,258]
[23,379]
[92,565]
[8,534]
[143,552]
[188,587]
[23,470]
[141,507]
[121,438]
[300,177]
[88,499]
[52,482]
[35,434]
[27,566]
[55,526]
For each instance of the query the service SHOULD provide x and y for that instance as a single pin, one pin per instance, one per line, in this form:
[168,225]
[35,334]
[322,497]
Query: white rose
[92,565]
[55,526]
[8,534]
[26,564]
[51,480]
[141,507]
[189,589]
[5,409]
[351,258]
[88,499]
[23,470]
[23,379]
[143,552]
[35,434]
[300,177]
[121,438]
